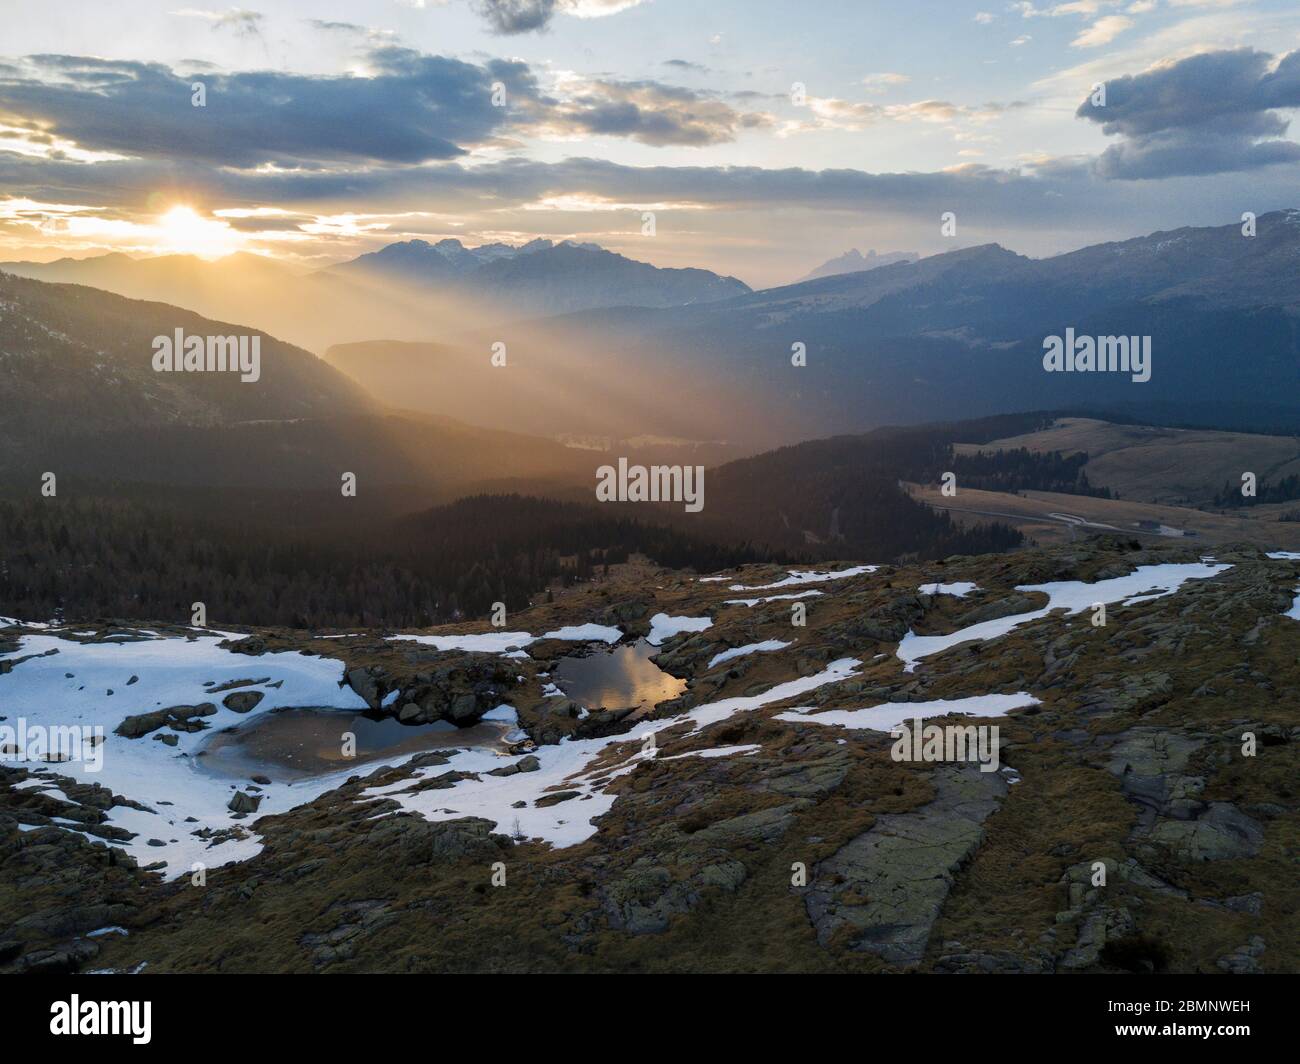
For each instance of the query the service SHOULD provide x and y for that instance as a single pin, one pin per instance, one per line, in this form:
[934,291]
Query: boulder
[242,701]
[244,803]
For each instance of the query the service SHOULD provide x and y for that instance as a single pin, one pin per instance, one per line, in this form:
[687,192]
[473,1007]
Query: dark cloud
[334,27]
[516,16]
[414,108]
[1209,113]
[417,108]
[686,64]
[509,17]
[1179,153]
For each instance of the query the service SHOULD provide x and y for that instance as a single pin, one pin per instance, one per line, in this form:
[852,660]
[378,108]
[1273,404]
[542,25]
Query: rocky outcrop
[178,718]
[882,892]
[459,693]
[1151,764]
[1220,832]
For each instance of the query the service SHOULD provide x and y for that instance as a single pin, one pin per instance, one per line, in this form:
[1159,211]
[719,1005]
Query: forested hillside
[103,558]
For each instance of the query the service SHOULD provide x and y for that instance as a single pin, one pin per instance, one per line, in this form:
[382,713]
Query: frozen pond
[294,744]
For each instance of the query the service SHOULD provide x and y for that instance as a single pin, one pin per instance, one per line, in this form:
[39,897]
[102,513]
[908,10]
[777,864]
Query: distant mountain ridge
[74,358]
[541,277]
[440,260]
[853,261]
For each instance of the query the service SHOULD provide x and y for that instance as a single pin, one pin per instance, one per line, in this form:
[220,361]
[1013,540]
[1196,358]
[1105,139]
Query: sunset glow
[183,231]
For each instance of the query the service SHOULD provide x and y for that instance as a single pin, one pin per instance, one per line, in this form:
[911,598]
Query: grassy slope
[1162,465]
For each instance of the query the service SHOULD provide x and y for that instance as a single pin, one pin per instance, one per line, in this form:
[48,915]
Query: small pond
[292,744]
[615,679]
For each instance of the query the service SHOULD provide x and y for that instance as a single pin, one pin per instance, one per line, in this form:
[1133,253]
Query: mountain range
[962,334]
[412,290]
[539,277]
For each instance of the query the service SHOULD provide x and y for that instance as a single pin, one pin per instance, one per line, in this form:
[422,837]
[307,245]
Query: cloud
[1084,8]
[244,22]
[516,16]
[646,111]
[416,108]
[337,27]
[596,8]
[1167,154]
[510,17]
[687,65]
[884,80]
[469,190]
[1208,113]
[833,113]
[1103,31]
[412,109]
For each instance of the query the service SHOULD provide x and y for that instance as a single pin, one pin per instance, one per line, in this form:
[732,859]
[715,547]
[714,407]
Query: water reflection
[615,679]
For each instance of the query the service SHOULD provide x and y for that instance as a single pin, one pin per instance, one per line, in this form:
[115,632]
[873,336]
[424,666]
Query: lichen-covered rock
[884,889]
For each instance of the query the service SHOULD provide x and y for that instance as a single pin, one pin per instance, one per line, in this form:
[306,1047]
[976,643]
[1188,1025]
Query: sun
[183,231]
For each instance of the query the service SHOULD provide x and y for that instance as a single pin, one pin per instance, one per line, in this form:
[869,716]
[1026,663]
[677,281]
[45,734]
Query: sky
[764,137]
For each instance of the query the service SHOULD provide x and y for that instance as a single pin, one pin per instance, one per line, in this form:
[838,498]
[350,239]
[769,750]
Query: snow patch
[719,751]
[1073,596]
[503,714]
[960,589]
[749,648]
[770,598]
[171,671]
[663,627]
[511,644]
[807,576]
[890,715]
